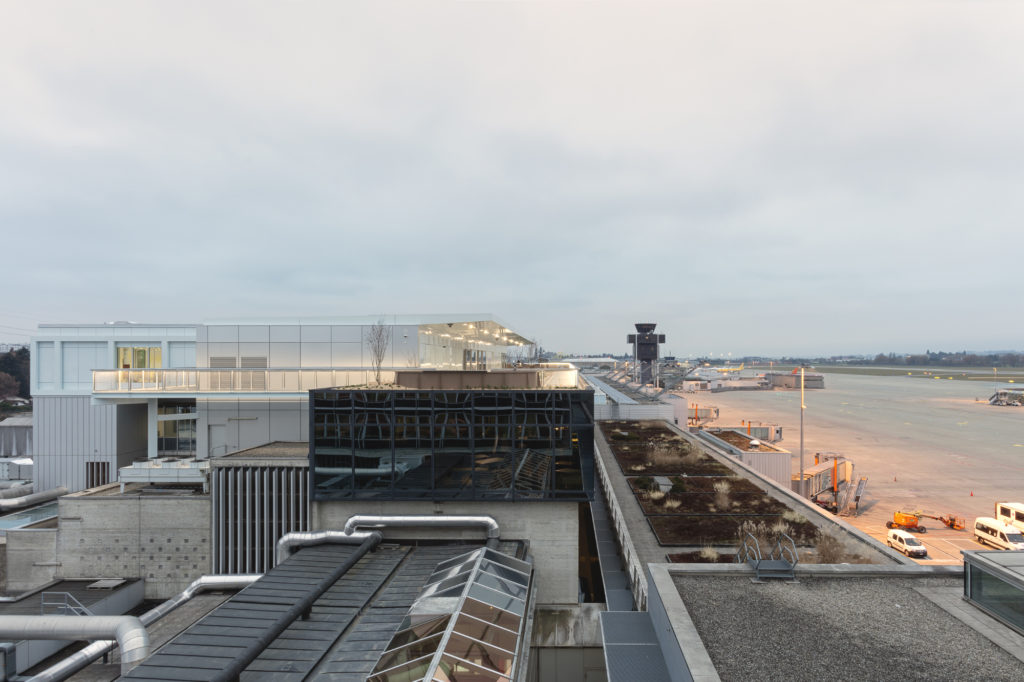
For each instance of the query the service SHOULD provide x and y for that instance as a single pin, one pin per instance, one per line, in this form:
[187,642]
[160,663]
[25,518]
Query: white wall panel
[80,358]
[346,355]
[347,333]
[46,365]
[222,333]
[315,332]
[315,355]
[253,333]
[70,431]
[283,354]
[181,354]
[284,332]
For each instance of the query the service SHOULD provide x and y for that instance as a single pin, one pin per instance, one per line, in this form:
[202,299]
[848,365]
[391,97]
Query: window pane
[419,631]
[500,584]
[484,655]
[490,614]
[410,672]
[486,632]
[502,601]
[409,652]
[463,671]
[155,357]
[504,572]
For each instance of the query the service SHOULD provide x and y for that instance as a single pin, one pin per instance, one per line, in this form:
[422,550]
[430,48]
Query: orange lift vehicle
[911,521]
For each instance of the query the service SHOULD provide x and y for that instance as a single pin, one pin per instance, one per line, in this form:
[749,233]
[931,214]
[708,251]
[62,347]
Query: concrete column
[152,450]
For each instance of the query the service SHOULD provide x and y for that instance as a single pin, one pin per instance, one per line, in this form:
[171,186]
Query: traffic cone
[972,493]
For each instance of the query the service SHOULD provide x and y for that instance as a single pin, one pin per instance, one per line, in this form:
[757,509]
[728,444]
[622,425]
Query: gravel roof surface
[837,628]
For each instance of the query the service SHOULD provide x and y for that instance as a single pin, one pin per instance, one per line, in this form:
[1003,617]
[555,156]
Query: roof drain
[256,646]
[78,660]
[25,500]
[426,521]
[129,632]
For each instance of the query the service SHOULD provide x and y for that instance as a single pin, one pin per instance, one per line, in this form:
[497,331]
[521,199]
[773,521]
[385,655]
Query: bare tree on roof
[378,338]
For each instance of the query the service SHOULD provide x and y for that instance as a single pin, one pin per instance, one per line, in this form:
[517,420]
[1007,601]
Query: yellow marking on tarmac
[1018,445]
[961,423]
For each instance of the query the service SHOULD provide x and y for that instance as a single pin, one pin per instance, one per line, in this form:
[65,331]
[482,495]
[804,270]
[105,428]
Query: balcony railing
[278,380]
[203,380]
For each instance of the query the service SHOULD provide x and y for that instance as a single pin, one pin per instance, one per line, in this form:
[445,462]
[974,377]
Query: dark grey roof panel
[631,662]
[631,649]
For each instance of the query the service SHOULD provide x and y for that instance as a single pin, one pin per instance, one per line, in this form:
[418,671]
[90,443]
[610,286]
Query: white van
[989,531]
[1010,513]
[906,543]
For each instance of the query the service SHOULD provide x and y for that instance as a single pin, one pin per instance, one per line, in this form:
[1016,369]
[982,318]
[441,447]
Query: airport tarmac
[923,446]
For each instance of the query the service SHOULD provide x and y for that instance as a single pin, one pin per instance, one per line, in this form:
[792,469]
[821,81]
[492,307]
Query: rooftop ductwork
[129,632]
[425,521]
[16,491]
[34,498]
[293,541]
[84,657]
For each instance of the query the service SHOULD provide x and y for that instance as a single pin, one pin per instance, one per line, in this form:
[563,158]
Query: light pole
[803,483]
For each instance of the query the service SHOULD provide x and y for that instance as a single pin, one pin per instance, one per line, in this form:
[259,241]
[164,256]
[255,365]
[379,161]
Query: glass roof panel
[446,584]
[500,558]
[495,598]
[505,572]
[418,631]
[452,669]
[485,655]
[409,652]
[490,614]
[500,584]
[487,632]
[458,560]
[409,672]
[452,572]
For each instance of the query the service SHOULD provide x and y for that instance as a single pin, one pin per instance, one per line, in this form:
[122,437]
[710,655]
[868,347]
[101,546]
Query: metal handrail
[63,603]
[785,551]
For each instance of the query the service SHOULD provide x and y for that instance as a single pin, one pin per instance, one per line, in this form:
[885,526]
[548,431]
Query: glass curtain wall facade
[448,445]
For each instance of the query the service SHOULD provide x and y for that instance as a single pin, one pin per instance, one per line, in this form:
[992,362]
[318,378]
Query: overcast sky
[757,178]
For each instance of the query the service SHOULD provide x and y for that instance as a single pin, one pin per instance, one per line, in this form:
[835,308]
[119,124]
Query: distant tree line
[14,373]
[956,359]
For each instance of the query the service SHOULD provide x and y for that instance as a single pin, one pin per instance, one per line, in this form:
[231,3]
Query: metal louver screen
[252,508]
[222,362]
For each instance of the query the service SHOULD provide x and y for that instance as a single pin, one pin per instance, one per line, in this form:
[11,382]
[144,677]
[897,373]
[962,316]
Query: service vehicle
[990,531]
[1010,513]
[905,542]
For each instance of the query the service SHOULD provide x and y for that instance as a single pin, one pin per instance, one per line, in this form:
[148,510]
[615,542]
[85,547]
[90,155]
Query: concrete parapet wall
[163,540]
[552,529]
[31,558]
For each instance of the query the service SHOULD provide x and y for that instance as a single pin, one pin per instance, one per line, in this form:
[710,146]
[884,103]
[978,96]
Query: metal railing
[214,380]
[278,380]
[61,604]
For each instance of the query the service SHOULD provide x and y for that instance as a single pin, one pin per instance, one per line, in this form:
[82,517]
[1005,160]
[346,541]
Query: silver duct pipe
[7,485]
[78,660]
[129,632]
[34,498]
[423,521]
[292,541]
[16,491]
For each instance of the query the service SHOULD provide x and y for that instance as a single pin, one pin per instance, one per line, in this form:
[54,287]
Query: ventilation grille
[253,362]
[222,362]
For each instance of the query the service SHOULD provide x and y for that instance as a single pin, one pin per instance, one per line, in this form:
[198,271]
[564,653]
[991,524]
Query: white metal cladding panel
[80,358]
[253,507]
[776,466]
[46,365]
[70,431]
[182,354]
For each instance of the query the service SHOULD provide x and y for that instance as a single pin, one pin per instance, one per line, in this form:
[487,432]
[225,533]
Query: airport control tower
[645,353]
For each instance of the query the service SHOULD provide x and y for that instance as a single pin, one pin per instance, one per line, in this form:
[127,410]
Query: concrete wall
[31,558]
[552,529]
[164,540]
